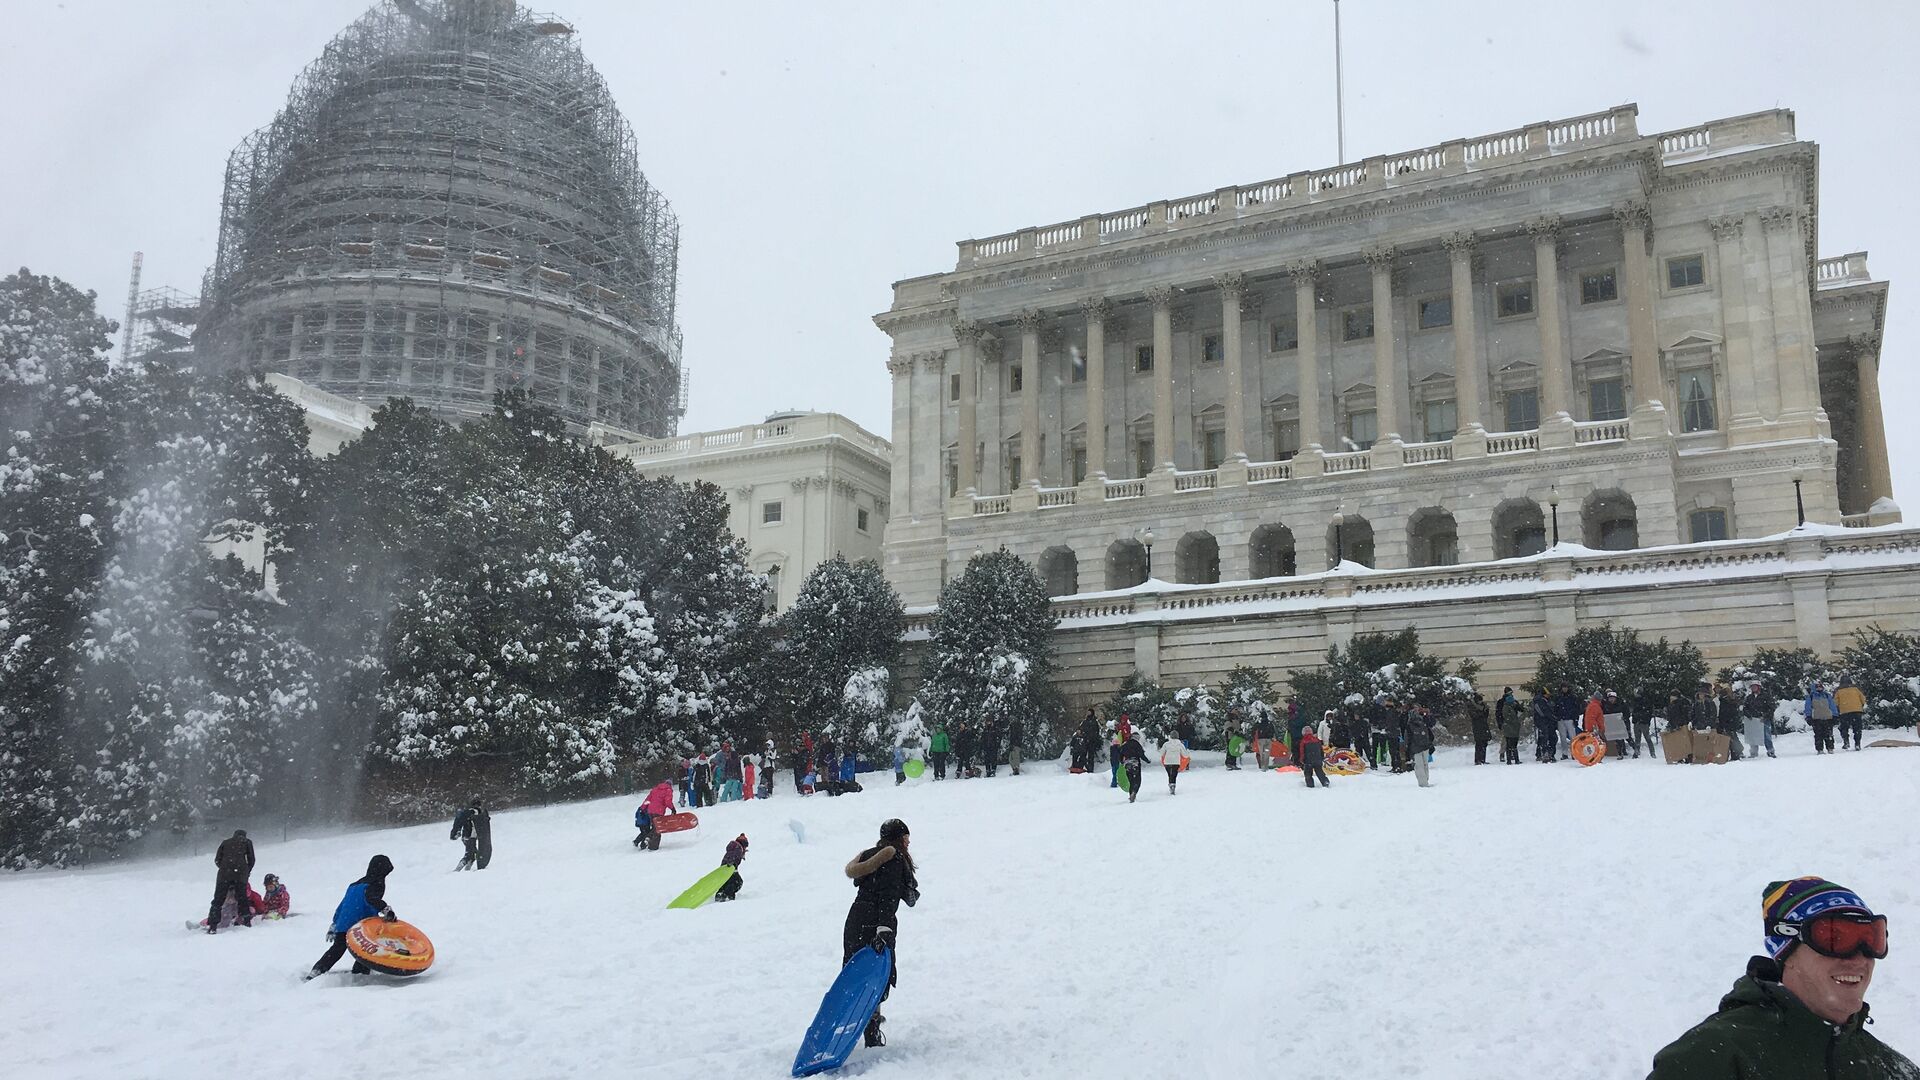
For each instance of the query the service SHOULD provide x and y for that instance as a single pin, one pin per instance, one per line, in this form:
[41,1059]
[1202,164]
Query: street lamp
[1799,505]
[1553,501]
[1146,539]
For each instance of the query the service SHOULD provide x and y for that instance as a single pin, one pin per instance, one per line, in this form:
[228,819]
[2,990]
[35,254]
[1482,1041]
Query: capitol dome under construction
[450,205]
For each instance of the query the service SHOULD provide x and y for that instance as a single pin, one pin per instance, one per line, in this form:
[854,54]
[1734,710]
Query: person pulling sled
[883,876]
[364,899]
[736,853]
[475,828]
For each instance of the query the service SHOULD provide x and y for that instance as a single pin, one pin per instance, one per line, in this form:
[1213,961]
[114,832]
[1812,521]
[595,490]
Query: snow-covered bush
[1886,665]
[991,653]
[1783,676]
[1608,658]
[1389,664]
[833,653]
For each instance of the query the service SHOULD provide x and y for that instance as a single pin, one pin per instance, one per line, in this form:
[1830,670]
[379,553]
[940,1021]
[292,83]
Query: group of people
[726,775]
[235,903]
[974,749]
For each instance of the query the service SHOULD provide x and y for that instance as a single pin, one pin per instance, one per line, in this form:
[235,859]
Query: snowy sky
[817,153]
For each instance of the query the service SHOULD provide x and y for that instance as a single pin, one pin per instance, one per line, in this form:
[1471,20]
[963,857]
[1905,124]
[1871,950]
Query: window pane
[1696,401]
[1013,378]
[1143,358]
[1216,449]
[1210,349]
[953,387]
[1079,464]
[769,513]
[1013,470]
[1705,525]
[1440,420]
[1597,287]
[1283,336]
[1143,457]
[1362,429]
[1079,367]
[1606,400]
[860,520]
[1523,410]
[1685,271]
[1356,324]
[1436,312]
[1516,299]
[1286,439]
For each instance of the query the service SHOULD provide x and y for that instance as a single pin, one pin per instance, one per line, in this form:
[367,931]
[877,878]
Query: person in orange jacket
[1595,718]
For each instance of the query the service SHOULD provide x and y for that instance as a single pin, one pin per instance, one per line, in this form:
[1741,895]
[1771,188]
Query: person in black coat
[473,826]
[884,879]
[964,741]
[990,746]
[1089,741]
[234,860]
[1482,722]
[1133,758]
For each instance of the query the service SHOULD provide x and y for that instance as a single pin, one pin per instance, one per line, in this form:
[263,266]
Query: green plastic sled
[914,767]
[703,889]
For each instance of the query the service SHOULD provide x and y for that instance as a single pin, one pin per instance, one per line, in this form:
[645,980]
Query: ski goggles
[1840,935]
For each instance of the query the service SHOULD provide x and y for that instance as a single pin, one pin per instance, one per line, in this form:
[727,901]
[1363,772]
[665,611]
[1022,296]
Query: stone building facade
[1569,331]
[802,487]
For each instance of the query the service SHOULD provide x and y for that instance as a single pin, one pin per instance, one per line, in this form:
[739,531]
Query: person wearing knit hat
[736,854]
[1800,1010]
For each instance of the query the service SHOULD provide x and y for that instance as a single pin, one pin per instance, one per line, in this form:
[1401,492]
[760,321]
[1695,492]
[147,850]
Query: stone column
[1096,310]
[1797,365]
[967,334]
[1556,395]
[1636,267]
[1869,421]
[1306,291]
[1233,286]
[1031,464]
[1466,335]
[1386,375]
[1735,319]
[901,368]
[1161,296]
[930,429]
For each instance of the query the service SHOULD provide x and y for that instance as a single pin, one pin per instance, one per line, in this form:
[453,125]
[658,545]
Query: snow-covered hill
[1516,921]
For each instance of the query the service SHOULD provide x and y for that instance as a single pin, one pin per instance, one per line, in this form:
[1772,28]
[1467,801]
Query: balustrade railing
[1356,461]
[1267,471]
[1272,191]
[1198,206]
[1058,234]
[1593,431]
[1204,480]
[1124,221]
[1054,497]
[1845,269]
[1686,140]
[1428,453]
[989,505]
[1126,489]
[1509,144]
[1512,442]
[1344,176]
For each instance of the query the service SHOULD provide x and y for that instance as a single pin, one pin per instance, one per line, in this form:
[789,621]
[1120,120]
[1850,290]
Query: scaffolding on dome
[160,325]
[451,204]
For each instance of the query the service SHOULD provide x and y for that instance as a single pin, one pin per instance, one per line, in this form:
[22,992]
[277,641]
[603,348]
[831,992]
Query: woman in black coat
[884,876]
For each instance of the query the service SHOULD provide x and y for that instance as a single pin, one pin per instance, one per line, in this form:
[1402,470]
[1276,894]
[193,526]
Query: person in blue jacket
[364,899]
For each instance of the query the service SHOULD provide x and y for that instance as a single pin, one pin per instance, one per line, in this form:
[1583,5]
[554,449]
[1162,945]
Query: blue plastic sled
[844,1013]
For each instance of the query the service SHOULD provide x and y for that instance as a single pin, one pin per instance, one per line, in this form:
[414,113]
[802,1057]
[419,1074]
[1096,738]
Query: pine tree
[833,654]
[1605,658]
[1390,664]
[1250,698]
[1886,665]
[991,652]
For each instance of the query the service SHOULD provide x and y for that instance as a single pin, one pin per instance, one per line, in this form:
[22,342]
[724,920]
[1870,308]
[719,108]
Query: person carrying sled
[1801,1009]
[1132,757]
[736,853]
[234,862]
[1171,752]
[364,899]
[474,827]
[883,877]
[1313,755]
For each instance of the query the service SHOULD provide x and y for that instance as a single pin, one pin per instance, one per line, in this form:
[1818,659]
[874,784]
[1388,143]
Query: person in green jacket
[940,746]
[1800,1010]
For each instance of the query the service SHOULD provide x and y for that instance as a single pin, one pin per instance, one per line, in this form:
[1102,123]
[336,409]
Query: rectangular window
[953,387]
[770,513]
[1598,287]
[1441,420]
[1363,427]
[1143,358]
[1696,400]
[1514,299]
[1013,378]
[1606,399]
[1079,464]
[1436,312]
[1214,449]
[953,478]
[860,520]
[1286,439]
[1523,409]
[1142,457]
[1013,471]
[1356,324]
[1705,525]
[1211,351]
[1079,367]
[1283,336]
[1686,271]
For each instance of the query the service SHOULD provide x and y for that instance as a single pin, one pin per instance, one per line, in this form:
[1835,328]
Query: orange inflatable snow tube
[1345,763]
[1588,748]
[391,948]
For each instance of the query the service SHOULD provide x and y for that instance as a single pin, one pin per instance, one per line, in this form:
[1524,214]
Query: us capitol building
[1442,356]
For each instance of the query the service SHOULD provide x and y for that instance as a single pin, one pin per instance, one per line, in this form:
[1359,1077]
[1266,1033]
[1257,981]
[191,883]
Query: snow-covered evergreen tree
[1392,664]
[991,653]
[1886,665]
[1608,658]
[833,654]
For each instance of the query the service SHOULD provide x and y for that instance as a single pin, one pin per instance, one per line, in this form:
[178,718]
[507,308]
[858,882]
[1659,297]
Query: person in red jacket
[1313,756]
[277,901]
[1595,719]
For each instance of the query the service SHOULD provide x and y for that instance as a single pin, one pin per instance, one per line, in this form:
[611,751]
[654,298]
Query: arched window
[1126,564]
[1351,539]
[1197,559]
[1432,538]
[1519,528]
[1609,522]
[1060,569]
[1271,552]
[773,588]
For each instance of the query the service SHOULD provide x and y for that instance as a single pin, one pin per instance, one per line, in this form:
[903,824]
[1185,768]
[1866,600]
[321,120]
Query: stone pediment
[1694,339]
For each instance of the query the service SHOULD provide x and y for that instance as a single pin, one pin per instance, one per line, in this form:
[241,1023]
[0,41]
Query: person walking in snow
[233,865]
[1727,721]
[1567,708]
[1851,705]
[769,761]
[1546,728]
[963,745]
[1820,713]
[1801,1008]
[1758,710]
[1480,718]
[1113,755]
[474,827]
[735,855]
[1507,712]
[1171,751]
[1419,742]
[1013,747]
[940,747]
[1646,709]
[883,877]
[1133,758]
[1313,755]
[989,747]
[364,899]
[899,765]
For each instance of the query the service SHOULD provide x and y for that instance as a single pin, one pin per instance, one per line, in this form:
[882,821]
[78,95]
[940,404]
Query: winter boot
[212,929]
[874,1035]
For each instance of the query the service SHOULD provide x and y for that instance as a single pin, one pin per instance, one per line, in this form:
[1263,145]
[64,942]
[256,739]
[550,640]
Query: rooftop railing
[788,429]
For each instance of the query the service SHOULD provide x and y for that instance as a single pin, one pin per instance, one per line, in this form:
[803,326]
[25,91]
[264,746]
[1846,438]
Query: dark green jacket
[941,744]
[1762,1032]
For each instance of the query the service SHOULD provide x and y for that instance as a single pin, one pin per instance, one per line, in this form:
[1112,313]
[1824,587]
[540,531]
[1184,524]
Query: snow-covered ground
[1511,921]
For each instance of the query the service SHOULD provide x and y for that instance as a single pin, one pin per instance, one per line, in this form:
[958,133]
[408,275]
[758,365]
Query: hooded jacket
[1762,1030]
[364,898]
[1848,699]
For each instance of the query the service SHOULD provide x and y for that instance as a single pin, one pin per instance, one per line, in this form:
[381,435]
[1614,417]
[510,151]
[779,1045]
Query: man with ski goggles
[1800,1010]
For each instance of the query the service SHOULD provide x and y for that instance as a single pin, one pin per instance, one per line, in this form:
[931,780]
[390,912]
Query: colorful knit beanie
[1799,900]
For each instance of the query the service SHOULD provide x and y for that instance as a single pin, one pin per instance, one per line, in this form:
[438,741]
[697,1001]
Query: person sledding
[736,853]
[883,876]
[276,902]
[364,899]
[232,914]
[234,862]
[1132,758]
[474,827]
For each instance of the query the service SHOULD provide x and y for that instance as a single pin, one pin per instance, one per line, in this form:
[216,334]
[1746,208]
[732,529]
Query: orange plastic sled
[1184,762]
[1588,748]
[1287,768]
[391,948]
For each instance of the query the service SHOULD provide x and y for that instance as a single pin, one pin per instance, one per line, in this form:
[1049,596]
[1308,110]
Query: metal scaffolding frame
[450,204]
